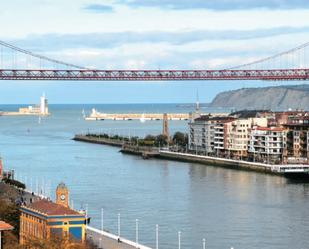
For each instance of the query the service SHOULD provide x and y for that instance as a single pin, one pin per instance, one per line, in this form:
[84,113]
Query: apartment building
[220,139]
[202,133]
[298,139]
[238,134]
[267,144]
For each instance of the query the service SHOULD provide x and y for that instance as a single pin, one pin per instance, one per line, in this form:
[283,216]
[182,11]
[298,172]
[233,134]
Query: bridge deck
[154,75]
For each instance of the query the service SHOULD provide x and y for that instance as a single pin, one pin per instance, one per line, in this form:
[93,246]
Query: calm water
[245,210]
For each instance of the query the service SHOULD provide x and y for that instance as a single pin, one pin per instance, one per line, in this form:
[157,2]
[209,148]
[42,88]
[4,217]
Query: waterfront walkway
[105,240]
[237,164]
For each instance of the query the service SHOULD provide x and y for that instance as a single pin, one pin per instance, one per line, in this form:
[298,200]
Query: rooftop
[50,208]
[5,226]
[269,129]
[214,118]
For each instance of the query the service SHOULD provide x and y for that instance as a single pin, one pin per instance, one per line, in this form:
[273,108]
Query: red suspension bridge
[288,65]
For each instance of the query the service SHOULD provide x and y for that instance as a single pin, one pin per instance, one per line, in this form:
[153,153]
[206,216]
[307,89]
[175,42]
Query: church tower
[62,195]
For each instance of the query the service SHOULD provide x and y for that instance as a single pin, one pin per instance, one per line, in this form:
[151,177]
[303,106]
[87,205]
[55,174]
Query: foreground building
[3,228]
[43,219]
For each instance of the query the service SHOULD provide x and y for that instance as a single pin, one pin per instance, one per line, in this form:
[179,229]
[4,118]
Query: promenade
[105,240]
[237,164]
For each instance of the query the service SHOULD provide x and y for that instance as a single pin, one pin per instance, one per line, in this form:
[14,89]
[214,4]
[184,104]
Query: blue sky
[147,34]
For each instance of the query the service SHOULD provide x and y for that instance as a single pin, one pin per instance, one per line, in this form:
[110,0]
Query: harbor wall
[148,152]
[97,140]
[214,161]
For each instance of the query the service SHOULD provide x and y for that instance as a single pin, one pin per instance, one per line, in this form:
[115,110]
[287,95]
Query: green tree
[10,214]
[161,140]
[180,139]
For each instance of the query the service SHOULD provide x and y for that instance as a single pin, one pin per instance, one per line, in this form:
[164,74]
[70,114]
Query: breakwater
[126,147]
[99,140]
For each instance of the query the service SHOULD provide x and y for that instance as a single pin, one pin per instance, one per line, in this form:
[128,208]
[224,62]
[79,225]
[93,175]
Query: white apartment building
[201,134]
[238,134]
[204,132]
[267,144]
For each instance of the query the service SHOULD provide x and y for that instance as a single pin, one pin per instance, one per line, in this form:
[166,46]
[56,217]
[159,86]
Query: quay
[236,164]
[149,152]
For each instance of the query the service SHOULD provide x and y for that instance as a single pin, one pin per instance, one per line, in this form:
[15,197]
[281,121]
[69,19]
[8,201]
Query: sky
[147,34]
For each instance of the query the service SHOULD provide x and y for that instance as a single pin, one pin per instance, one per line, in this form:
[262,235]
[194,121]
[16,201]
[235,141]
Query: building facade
[298,139]
[268,145]
[206,134]
[43,219]
[237,135]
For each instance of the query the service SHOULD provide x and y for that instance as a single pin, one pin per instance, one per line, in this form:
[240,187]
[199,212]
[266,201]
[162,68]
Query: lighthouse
[43,105]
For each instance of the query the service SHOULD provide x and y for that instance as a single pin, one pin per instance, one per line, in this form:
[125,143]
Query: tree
[10,214]
[161,140]
[180,139]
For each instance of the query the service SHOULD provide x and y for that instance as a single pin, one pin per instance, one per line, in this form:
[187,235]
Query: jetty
[98,140]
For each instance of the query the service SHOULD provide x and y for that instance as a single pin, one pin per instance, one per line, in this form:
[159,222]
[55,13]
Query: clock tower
[62,195]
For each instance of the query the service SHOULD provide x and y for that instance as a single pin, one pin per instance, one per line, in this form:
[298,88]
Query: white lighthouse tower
[43,105]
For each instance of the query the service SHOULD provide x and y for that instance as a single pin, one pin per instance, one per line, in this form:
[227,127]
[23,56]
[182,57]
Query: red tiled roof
[50,208]
[5,226]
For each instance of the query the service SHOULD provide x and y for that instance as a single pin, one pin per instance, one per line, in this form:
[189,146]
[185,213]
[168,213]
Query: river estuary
[230,208]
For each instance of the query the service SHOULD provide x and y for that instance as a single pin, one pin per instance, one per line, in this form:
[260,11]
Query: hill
[275,98]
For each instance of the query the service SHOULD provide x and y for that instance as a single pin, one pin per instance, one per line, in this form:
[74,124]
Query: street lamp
[119,226]
[204,243]
[102,219]
[179,240]
[136,232]
[157,236]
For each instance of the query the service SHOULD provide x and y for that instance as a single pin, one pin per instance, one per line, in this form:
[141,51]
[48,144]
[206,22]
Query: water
[246,210]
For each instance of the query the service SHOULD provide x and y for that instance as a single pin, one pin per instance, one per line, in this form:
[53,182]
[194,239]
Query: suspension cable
[41,57]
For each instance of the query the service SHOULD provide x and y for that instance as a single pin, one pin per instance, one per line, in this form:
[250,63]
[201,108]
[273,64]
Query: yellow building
[44,218]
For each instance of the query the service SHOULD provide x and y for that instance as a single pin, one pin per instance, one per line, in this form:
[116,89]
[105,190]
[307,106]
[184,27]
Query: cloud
[220,5]
[99,8]
[54,42]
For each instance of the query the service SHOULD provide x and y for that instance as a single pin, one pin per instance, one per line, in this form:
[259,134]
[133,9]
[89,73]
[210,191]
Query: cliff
[275,98]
